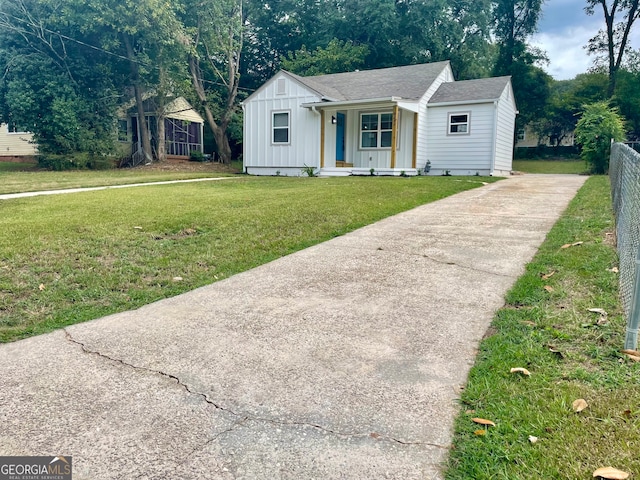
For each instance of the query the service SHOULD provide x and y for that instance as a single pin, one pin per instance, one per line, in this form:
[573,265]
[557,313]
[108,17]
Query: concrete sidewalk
[342,361]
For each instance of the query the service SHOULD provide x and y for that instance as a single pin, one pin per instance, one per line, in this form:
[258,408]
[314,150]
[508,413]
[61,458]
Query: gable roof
[409,82]
[488,89]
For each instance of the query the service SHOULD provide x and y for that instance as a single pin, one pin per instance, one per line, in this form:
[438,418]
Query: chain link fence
[624,173]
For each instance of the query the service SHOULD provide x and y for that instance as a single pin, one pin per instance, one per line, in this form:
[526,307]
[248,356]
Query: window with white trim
[459,123]
[376,130]
[14,127]
[280,126]
[521,134]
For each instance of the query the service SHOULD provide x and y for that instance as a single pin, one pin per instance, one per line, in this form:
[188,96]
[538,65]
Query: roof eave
[342,103]
[462,102]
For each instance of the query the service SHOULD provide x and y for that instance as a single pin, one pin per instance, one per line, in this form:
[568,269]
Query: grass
[16,166]
[14,178]
[575,166]
[65,259]
[571,354]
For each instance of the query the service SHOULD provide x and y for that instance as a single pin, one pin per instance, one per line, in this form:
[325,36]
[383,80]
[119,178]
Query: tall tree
[215,38]
[53,83]
[611,44]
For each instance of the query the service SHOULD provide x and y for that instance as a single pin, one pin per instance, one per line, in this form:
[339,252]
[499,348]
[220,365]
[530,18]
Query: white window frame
[379,130]
[9,132]
[274,127]
[451,123]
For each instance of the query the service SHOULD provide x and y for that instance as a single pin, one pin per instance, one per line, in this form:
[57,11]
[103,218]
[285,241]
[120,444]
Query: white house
[16,144]
[387,121]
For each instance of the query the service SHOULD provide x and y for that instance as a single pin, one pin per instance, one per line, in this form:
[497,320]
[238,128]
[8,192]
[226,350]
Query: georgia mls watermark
[35,468]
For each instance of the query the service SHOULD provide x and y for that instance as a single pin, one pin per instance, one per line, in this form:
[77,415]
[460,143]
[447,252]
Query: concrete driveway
[342,361]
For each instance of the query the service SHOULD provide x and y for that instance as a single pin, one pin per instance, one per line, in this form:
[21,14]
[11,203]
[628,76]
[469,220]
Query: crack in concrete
[243,417]
[468,267]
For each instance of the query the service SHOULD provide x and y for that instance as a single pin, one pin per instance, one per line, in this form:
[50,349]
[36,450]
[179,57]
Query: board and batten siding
[505,133]
[423,115]
[466,154]
[16,144]
[260,154]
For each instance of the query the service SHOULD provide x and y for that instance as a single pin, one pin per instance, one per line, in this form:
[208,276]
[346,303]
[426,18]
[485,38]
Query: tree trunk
[219,130]
[143,129]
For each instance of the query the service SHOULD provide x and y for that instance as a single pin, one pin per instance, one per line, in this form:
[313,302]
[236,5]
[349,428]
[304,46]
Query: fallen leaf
[567,245]
[598,310]
[548,288]
[521,370]
[469,412]
[610,473]
[41,287]
[137,228]
[555,351]
[483,421]
[480,432]
[579,405]
[635,353]
[374,435]
[614,270]
[627,413]
[634,358]
[533,439]
[177,279]
[548,275]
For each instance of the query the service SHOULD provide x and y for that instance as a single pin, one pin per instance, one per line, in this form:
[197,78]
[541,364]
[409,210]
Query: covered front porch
[368,138]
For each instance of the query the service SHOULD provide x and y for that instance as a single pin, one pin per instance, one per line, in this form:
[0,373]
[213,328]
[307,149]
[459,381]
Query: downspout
[495,138]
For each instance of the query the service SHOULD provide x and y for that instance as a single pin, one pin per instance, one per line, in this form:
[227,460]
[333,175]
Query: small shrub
[197,156]
[372,171]
[598,126]
[309,171]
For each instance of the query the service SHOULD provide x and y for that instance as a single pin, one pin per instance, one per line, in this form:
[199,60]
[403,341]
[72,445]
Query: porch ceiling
[368,103]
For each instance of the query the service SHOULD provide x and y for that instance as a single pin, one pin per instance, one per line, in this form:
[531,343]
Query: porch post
[394,135]
[321,138]
[414,158]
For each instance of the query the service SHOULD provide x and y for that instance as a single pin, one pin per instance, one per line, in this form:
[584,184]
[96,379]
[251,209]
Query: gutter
[461,102]
[340,103]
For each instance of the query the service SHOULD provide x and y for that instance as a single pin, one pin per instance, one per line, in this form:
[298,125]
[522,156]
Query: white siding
[461,154]
[304,135]
[15,144]
[505,133]
[445,76]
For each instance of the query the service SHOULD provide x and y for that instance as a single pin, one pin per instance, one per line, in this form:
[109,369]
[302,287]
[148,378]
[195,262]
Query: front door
[340,137]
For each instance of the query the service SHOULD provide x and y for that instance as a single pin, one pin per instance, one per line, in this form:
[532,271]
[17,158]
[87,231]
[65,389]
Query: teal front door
[340,137]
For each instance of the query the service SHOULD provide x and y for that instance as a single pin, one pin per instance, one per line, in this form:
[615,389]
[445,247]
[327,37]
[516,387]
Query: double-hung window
[376,130]
[459,123]
[281,126]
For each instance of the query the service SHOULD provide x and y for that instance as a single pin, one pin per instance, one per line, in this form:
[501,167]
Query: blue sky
[564,30]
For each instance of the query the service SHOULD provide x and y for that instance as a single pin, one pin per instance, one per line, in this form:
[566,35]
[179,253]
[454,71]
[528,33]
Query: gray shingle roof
[470,90]
[409,82]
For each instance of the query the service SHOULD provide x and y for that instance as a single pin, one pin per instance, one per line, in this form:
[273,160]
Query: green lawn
[16,167]
[570,352]
[13,179]
[69,258]
[576,166]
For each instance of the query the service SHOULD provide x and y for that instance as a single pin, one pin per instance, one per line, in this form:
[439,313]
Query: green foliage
[337,57]
[74,161]
[597,127]
[309,171]
[197,156]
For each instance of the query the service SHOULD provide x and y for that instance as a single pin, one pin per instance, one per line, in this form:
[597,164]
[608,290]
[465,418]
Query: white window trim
[272,129]
[6,127]
[467,123]
[379,113]
[524,135]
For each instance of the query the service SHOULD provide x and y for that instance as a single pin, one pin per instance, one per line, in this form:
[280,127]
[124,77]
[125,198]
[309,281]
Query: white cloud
[567,56]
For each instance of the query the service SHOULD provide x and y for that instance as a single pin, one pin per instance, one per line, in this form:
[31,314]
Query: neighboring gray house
[393,120]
